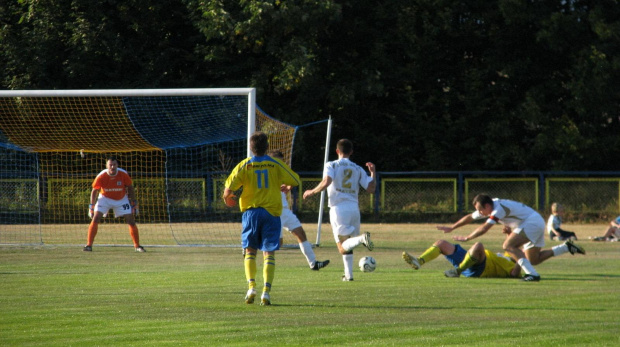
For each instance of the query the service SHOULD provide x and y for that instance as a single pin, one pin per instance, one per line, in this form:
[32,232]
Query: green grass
[61,296]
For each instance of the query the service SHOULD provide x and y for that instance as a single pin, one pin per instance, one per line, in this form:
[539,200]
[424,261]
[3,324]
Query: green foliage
[418,85]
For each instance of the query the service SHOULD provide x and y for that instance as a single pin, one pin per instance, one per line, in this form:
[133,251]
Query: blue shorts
[457,257]
[260,230]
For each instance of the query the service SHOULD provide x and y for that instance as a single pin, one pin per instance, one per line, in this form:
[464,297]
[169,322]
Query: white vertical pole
[251,117]
[322,202]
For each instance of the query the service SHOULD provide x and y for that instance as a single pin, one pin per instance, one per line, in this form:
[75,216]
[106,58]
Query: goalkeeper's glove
[134,207]
[91,211]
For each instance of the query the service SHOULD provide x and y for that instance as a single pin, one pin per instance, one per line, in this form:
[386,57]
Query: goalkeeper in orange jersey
[113,190]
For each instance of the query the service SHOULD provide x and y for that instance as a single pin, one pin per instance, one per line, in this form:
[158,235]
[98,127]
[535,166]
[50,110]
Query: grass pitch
[62,296]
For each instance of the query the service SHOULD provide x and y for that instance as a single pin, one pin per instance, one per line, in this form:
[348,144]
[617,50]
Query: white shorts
[534,229]
[289,221]
[121,207]
[345,221]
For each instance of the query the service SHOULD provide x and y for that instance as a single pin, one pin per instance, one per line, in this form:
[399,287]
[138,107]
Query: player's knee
[440,243]
[343,251]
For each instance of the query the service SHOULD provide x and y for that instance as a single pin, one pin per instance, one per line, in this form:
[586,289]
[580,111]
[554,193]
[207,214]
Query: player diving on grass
[528,231]
[291,223]
[475,262]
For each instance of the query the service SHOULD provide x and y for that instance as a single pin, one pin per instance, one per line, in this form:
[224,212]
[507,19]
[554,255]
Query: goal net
[178,145]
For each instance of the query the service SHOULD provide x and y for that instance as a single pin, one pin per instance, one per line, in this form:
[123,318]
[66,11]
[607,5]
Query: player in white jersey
[291,223]
[528,231]
[342,178]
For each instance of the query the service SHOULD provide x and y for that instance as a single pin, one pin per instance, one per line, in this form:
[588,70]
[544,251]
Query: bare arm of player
[228,197]
[93,200]
[319,188]
[94,194]
[131,195]
[481,230]
[463,221]
[372,186]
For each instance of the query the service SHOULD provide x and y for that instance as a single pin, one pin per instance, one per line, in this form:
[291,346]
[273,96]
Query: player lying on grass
[475,262]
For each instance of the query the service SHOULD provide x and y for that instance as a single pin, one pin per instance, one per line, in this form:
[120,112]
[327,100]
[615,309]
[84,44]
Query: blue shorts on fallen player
[260,230]
[457,257]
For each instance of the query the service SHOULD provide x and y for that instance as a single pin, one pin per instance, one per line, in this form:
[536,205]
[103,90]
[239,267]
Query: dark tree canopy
[417,85]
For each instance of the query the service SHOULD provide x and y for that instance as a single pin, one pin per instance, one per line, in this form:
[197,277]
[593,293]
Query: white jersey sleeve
[510,213]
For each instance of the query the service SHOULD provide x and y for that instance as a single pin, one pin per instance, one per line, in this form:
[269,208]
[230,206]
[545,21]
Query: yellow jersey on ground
[497,266]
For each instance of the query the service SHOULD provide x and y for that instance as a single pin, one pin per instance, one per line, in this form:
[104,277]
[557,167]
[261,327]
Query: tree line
[417,85]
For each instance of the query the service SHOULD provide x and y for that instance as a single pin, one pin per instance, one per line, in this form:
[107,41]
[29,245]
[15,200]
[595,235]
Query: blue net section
[188,121]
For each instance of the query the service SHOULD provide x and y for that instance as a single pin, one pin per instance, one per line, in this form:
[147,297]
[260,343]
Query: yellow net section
[280,134]
[43,124]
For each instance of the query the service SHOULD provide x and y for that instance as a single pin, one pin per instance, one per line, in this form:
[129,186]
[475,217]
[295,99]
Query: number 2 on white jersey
[346,179]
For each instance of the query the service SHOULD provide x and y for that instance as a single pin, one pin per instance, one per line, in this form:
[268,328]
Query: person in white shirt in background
[554,224]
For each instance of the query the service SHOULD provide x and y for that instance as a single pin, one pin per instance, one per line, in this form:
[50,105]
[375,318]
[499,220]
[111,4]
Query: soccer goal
[179,145]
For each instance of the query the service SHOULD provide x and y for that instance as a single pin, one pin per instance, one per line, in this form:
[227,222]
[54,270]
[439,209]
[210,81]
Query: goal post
[178,145]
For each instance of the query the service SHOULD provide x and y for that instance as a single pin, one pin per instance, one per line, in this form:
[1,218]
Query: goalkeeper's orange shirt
[112,187]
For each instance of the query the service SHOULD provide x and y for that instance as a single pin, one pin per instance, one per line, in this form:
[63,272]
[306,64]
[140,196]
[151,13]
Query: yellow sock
[431,253]
[269,269]
[250,269]
[468,262]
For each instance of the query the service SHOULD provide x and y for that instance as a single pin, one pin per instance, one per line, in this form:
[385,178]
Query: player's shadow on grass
[438,308]
[579,277]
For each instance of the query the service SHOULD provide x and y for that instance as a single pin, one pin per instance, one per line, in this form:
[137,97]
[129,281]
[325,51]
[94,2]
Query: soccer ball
[368,264]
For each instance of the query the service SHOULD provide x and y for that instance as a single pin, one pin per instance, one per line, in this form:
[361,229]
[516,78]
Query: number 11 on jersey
[260,176]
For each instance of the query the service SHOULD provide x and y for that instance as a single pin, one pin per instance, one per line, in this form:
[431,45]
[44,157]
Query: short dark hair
[345,146]
[259,142]
[483,199]
[276,154]
[112,158]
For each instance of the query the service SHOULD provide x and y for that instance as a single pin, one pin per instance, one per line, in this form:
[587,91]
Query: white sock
[559,249]
[347,259]
[351,243]
[527,267]
[306,249]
